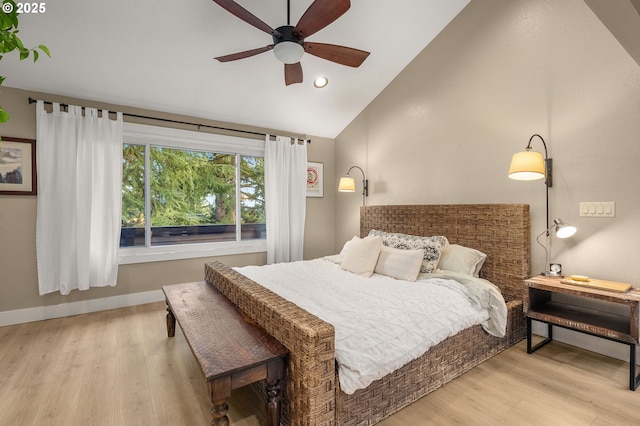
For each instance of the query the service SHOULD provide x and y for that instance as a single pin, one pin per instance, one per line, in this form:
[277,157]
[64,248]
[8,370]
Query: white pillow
[462,259]
[345,248]
[362,255]
[399,264]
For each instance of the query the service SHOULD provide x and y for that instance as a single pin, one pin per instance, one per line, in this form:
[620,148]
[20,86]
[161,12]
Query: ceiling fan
[288,41]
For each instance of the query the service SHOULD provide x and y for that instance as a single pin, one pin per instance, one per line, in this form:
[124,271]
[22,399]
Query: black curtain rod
[167,120]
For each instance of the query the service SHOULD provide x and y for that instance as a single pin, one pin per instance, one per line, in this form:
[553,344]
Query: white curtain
[285,178]
[79,160]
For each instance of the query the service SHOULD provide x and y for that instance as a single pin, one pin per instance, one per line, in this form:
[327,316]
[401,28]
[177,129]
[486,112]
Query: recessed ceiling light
[320,82]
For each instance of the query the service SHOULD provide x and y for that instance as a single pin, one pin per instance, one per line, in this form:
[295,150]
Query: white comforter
[382,323]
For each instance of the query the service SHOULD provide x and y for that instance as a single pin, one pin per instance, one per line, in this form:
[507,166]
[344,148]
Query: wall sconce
[563,230]
[529,165]
[348,184]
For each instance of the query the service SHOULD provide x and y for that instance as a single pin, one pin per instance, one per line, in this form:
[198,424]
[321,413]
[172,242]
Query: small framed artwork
[18,166]
[315,178]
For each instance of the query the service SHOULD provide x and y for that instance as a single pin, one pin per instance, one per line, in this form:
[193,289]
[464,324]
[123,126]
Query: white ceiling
[159,55]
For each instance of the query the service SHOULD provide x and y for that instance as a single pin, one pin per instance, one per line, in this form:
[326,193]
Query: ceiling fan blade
[242,13]
[320,14]
[292,73]
[245,54]
[339,54]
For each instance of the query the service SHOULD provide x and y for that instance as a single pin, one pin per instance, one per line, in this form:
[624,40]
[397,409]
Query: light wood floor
[119,368]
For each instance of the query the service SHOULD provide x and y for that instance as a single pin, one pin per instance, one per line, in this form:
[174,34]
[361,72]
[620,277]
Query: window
[190,194]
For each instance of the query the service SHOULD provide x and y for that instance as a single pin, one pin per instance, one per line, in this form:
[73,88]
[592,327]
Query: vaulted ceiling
[623,21]
[159,55]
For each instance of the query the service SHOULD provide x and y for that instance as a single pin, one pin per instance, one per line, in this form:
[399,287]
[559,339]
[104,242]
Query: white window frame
[141,134]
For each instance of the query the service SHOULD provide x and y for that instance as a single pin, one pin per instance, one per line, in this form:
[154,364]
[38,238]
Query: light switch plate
[598,209]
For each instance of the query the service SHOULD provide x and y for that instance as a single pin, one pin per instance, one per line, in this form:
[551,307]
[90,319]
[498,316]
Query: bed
[312,394]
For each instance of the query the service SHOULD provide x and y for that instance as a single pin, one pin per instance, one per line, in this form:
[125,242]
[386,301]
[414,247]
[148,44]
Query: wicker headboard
[500,230]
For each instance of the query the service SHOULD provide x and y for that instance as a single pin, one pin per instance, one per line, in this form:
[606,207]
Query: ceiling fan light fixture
[288,52]
[288,41]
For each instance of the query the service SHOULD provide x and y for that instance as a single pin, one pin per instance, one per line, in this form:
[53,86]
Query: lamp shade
[347,184]
[527,165]
[563,230]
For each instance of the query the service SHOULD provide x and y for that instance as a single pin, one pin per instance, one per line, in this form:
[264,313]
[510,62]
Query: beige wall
[18,275]
[445,129]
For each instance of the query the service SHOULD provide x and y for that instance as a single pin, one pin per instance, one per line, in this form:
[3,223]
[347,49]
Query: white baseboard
[584,341]
[40,313]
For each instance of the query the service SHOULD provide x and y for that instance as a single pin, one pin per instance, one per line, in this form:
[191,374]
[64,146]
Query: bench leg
[275,373]
[171,322]
[219,392]
[273,403]
[219,413]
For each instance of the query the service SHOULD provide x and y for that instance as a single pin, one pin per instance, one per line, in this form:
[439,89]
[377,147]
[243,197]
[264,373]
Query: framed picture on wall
[315,178]
[18,166]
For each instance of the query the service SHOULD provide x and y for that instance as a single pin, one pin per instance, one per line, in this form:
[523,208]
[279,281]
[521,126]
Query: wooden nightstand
[623,328]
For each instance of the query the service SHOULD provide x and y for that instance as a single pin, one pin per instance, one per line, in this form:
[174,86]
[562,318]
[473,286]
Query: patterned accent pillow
[432,246]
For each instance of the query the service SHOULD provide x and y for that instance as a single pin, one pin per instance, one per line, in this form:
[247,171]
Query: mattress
[381,323]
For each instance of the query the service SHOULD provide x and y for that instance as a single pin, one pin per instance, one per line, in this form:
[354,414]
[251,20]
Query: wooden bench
[232,352]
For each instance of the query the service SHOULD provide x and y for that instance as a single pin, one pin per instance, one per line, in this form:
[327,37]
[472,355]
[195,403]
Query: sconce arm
[548,162]
[365,181]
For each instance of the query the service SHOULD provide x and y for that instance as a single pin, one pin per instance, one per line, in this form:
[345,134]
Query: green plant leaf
[5,21]
[14,13]
[9,41]
[4,116]
[45,49]
[17,40]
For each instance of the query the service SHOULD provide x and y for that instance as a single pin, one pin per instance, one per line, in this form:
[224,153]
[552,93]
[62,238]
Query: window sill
[188,251]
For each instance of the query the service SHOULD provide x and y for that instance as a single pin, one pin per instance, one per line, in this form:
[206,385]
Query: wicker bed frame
[312,393]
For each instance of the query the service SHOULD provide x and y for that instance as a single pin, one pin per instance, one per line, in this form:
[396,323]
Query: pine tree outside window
[190,194]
